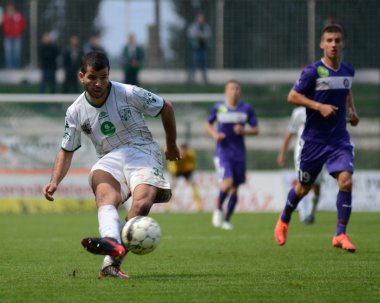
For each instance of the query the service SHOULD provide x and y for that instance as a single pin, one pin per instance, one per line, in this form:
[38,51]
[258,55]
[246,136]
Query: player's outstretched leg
[104,246]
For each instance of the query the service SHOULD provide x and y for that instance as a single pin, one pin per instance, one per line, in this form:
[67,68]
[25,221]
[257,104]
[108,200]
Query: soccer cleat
[227,225]
[112,271]
[217,218]
[309,220]
[104,246]
[280,232]
[344,242]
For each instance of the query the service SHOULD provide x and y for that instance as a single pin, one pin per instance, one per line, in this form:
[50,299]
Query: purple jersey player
[230,155]
[324,88]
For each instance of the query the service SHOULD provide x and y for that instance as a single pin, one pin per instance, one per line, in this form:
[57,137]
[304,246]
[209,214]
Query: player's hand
[220,137]
[239,129]
[49,190]
[280,160]
[353,118]
[172,152]
[327,110]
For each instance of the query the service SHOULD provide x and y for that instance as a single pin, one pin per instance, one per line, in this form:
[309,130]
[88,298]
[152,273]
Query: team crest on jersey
[346,83]
[323,72]
[125,114]
[86,127]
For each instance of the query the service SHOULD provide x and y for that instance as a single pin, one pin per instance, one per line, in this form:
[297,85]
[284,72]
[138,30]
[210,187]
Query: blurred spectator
[48,54]
[72,56]
[199,33]
[13,27]
[93,44]
[132,59]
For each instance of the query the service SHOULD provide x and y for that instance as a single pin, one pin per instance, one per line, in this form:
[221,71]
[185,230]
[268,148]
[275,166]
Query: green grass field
[42,261]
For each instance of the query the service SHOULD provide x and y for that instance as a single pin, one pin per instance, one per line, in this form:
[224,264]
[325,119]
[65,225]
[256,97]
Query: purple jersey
[233,146]
[321,83]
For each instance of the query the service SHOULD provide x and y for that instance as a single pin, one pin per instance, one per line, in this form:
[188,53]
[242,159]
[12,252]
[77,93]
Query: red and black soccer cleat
[104,246]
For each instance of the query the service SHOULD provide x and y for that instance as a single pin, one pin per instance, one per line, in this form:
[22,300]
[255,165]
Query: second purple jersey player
[235,119]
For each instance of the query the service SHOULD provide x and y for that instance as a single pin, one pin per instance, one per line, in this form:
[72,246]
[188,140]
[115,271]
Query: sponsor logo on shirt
[106,126]
[322,71]
[232,117]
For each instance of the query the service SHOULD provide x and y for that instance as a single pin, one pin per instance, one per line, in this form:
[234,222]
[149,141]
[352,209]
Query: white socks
[109,224]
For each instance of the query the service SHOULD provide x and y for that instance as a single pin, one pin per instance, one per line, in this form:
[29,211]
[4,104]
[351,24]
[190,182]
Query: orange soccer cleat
[280,232]
[344,242]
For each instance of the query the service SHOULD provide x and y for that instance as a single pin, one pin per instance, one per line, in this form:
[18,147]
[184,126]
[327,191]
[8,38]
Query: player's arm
[352,113]
[326,110]
[60,169]
[168,122]
[246,131]
[284,148]
[213,133]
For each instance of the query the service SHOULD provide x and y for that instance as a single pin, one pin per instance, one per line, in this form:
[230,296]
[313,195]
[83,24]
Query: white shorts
[132,166]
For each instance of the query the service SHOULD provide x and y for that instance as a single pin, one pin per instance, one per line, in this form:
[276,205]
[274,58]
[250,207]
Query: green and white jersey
[119,121]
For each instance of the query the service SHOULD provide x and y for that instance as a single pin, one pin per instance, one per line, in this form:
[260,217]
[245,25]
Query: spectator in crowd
[13,26]
[231,116]
[72,56]
[132,59]
[48,54]
[185,167]
[93,44]
[199,34]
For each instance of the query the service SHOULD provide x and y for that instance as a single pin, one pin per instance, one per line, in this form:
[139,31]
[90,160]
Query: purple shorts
[230,169]
[337,157]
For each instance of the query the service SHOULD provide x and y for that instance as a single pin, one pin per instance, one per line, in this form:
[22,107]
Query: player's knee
[345,181]
[345,184]
[302,190]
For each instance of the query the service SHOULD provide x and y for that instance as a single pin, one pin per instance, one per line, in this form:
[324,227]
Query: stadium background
[263,48]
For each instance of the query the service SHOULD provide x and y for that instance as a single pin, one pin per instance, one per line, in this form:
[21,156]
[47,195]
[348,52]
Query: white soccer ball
[141,235]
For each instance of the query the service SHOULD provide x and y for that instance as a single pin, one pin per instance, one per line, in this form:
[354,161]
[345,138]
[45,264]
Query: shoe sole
[351,250]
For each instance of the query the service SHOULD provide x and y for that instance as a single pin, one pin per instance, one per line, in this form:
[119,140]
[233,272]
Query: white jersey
[119,121]
[296,126]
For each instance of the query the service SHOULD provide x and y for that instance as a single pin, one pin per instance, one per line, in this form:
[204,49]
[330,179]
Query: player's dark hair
[333,28]
[97,60]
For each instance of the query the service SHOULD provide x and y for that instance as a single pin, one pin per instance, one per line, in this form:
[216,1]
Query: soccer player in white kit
[130,161]
[295,129]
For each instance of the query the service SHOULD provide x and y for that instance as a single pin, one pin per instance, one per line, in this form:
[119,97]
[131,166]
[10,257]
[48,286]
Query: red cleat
[344,242]
[280,232]
[104,246]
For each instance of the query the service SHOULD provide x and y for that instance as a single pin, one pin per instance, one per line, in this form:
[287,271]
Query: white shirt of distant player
[296,126]
[119,121]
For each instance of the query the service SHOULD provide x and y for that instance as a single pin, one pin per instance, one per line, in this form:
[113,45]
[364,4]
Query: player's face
[332,45]
[95,83]
[232,93]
